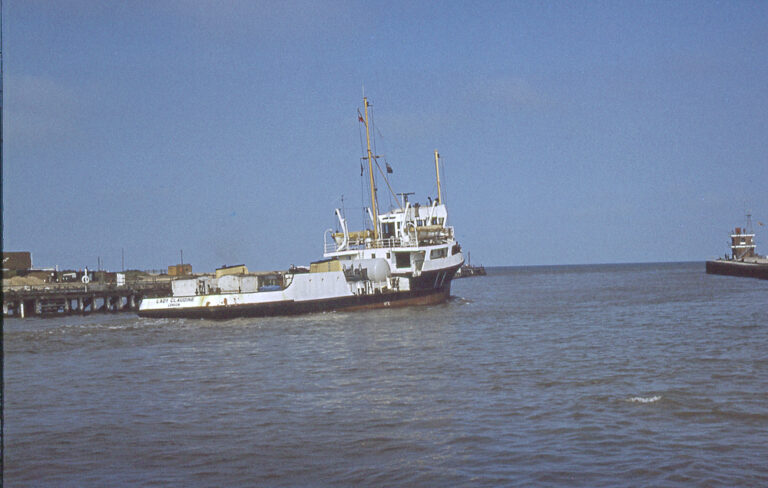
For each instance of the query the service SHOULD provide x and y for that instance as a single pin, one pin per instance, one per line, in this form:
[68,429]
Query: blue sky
[572,132]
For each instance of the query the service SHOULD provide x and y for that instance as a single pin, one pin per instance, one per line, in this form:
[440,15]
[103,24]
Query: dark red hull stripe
[738,269]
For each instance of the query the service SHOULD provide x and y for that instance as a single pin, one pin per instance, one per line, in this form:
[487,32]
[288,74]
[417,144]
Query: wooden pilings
[45,306]
[52,301]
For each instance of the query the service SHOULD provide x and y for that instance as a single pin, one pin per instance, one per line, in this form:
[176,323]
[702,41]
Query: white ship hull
[308,292]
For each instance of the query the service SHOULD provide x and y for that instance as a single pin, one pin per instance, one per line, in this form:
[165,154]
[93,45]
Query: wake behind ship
[408,257]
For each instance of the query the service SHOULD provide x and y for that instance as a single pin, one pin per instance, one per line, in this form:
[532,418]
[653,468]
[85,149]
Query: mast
[437,171]
[370,172]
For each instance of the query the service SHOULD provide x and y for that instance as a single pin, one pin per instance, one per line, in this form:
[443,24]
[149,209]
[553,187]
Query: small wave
[460,300]
[639,399]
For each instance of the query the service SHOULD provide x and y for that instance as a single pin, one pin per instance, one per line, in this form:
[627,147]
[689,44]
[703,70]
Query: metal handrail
[390,242]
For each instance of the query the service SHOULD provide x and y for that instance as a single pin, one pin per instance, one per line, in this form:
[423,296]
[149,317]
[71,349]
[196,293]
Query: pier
[78,299]
[468,270]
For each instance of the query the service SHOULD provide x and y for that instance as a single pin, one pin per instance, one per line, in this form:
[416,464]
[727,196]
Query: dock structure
[468,270]
[78,299]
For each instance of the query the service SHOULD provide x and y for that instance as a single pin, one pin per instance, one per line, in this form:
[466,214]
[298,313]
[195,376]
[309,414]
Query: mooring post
[21,308]
[80,304]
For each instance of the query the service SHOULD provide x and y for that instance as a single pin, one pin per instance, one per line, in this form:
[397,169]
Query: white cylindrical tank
[376,269]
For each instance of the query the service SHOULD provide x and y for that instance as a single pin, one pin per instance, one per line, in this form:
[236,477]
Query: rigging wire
[376,151]
[362,183]
[391,191]
[392,195]
[375,160]
[373,154]
[444,186]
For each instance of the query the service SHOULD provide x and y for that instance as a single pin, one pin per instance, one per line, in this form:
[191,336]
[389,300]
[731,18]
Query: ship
[468,270]
[744,260]
[407,256]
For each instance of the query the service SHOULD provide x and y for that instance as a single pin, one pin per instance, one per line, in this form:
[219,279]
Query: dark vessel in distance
[744,260]
[468,269]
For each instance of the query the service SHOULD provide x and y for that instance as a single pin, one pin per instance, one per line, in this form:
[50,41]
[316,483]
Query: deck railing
[330,245]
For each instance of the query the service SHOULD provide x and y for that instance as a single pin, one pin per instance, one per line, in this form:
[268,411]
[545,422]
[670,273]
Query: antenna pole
[437,171]
[370,172]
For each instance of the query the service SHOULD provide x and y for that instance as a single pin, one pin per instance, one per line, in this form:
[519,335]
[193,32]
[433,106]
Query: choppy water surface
[623,375]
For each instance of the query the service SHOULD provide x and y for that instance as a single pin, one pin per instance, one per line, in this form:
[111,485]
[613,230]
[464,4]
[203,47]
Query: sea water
[610,375]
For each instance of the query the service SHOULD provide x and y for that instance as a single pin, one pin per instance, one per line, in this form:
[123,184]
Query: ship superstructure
[744,259]
[742,244]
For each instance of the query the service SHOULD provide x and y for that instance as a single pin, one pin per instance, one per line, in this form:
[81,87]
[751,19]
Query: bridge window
[438,253]
[388,230]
